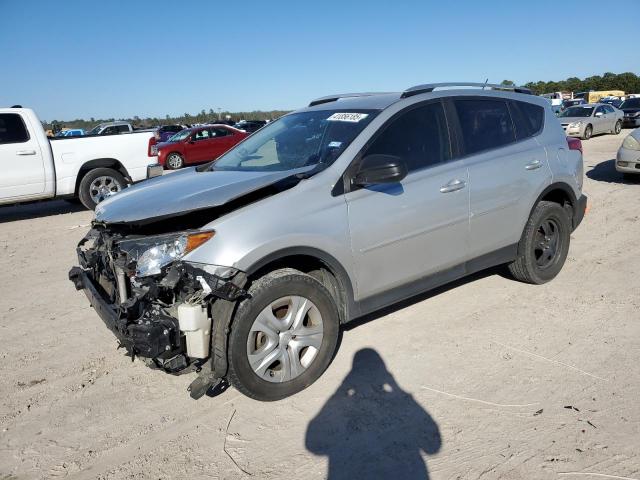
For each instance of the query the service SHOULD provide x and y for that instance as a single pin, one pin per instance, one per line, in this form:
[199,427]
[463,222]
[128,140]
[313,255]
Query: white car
[628,158]
[89,168]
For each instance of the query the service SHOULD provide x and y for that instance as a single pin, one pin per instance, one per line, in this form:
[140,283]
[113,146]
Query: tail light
[152,151]
[574,144]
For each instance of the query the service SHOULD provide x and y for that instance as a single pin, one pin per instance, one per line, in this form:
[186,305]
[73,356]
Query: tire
[536,264]
[617,128]
[588,131]
[277,293]
[98,184]
[175,161]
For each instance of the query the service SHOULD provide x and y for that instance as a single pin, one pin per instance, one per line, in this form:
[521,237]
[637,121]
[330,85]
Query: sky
[71,59]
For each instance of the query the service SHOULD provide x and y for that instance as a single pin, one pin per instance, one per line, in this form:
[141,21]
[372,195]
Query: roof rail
[333,98]
[430,87]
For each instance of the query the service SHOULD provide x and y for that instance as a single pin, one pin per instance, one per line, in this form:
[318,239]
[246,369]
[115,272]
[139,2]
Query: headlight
[153,253]
[630,143]
[575,125]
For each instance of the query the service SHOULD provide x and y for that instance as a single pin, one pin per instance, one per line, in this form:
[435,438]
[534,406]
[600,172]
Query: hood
[573,119]
[631,110]
[165,143]
[182,192]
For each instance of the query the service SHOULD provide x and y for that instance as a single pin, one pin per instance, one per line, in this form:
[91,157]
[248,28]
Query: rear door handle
[453,185]
[533,165]
[26,152]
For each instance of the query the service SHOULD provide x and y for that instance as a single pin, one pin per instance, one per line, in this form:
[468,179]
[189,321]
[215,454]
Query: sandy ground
[488,378]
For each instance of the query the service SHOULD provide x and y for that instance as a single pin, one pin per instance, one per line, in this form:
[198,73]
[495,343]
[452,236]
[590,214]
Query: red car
[198,145]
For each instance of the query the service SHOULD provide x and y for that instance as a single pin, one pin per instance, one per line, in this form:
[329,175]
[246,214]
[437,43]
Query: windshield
[297,140]
[631,103]
[179,136]
[95,130]
[577,112]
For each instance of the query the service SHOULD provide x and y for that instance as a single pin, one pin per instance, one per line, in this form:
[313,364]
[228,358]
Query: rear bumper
[154,170]
[581,208]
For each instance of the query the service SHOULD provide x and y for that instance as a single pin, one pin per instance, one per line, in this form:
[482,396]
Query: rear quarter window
[485,124]
[528,119]
[12,129]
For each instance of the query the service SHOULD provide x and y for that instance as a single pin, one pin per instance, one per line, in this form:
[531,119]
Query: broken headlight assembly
[151,254]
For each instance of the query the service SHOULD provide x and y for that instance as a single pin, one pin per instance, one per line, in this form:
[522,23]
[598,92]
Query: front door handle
[533,165]
[453,185]
[26,152]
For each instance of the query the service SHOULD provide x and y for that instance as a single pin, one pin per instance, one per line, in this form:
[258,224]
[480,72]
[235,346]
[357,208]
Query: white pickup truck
[91,168]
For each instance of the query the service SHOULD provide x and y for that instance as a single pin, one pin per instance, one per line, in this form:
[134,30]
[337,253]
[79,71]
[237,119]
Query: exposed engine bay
[158,306]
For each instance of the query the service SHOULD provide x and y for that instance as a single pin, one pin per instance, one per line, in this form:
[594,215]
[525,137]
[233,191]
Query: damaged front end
[159,306]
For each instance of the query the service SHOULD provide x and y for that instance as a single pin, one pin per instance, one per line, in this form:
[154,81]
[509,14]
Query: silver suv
[244,269]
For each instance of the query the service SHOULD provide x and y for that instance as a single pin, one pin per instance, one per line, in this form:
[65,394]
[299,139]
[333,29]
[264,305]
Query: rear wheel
[588,131]
[544,245]
[283,337]
[618,127]
[175,161]
[99,184]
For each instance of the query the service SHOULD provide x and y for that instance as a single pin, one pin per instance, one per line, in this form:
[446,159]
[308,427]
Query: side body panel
[406,231]
[503,185]
[27,167]
[70,154]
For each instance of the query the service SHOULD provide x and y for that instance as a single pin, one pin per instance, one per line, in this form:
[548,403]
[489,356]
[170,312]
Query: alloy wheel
[174,161]
[103,187]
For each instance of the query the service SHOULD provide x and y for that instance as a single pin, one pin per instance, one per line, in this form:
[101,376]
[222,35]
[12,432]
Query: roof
[381,100]
[355,101]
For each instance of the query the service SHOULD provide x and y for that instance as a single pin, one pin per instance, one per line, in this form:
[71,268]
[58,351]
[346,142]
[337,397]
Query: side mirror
[598,114]
[378,168]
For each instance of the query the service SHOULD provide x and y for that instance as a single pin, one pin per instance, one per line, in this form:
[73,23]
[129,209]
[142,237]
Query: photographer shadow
[370,428]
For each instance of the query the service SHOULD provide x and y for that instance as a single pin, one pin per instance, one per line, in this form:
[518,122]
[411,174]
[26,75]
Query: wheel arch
[560,193]
[308,260]
[100,163]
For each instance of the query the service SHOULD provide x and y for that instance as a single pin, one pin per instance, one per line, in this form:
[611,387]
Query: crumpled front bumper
[143,314]
[148,336]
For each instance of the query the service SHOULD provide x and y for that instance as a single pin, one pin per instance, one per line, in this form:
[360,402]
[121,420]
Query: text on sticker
[347,117]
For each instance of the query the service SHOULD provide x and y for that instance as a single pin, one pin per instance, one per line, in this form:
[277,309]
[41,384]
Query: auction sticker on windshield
[347,117]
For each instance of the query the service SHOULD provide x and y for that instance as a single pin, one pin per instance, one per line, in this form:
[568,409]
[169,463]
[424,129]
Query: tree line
[628,82]
[185,119]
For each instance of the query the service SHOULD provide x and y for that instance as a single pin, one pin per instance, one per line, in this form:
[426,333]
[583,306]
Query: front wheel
[99,184]
[544,245]
[175,161]
[618,127]
[588,131]
[283,336]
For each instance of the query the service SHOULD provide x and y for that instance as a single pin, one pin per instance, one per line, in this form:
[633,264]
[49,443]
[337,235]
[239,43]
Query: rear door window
[202,135]
[419,136]
[220,132]
[527,118]
[12,129]
[485,124]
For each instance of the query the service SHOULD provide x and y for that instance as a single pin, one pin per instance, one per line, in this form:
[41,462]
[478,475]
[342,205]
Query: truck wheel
[588,131]
[544,245]
[175,161]
[98,184]
[283,336]
[618,128]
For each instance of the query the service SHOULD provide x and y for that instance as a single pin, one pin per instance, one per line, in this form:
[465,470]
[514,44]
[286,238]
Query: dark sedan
[631,109]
